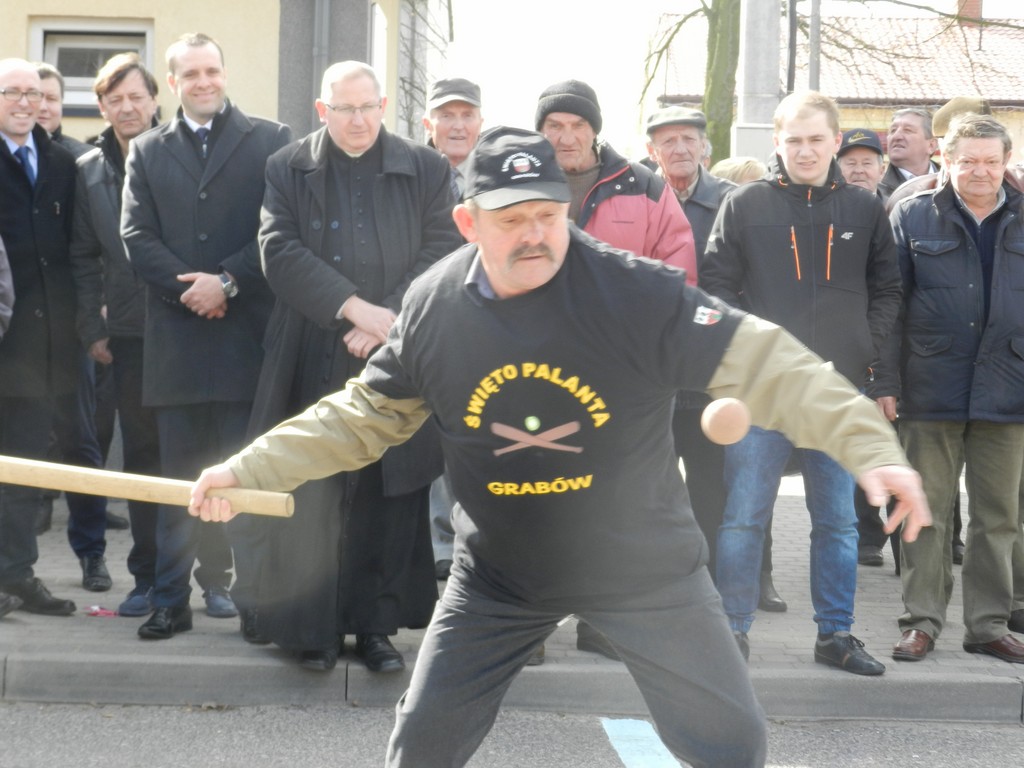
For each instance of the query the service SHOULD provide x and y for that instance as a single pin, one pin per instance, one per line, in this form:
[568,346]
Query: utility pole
[758,82]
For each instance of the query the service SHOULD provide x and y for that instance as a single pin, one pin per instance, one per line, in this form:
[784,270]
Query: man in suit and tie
[39,352]
[190,216]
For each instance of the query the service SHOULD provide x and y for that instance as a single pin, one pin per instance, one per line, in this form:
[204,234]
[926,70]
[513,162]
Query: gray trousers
[675,642]
[992,454]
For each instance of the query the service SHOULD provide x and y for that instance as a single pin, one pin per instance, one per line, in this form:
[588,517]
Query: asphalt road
[54,736]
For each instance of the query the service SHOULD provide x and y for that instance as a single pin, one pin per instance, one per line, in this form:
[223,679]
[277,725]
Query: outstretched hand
[911,504]
[214,509]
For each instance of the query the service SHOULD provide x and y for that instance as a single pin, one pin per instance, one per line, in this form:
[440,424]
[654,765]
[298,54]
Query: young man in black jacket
[807,251]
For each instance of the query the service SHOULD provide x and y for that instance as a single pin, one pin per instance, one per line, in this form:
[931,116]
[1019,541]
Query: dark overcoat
[180,215]
[39,355]
[317,583]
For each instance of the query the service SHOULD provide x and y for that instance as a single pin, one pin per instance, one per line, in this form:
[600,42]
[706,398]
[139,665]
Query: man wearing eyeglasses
[39,353]
[351,215]
[189,220]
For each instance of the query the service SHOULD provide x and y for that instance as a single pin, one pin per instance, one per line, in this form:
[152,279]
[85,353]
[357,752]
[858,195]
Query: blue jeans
[753,470]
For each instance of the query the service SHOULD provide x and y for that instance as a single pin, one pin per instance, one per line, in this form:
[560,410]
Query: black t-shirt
[555,411]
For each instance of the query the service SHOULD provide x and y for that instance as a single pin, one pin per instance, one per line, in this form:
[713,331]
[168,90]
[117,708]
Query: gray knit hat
[572,96]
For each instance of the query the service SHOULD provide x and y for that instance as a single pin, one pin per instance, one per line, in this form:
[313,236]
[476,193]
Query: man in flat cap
[622,203]
[453,123]
[550,361]
[677,142]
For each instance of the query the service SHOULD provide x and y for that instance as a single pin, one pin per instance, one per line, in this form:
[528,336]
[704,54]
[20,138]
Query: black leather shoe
[249,620]
[869,555]
[378,654]
[8,603]
[769,599]
[318,661]
[117,522]
[95,576]
[743,643]
[442,569]
[44,517]
[1016,622]
[590,640]
[958,552]
[166,622]
[36,598]
[536,658]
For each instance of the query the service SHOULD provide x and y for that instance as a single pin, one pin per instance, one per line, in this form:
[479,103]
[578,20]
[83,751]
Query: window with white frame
[78,47]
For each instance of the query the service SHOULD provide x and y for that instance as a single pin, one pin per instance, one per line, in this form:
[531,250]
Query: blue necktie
[22,154]
[203,134]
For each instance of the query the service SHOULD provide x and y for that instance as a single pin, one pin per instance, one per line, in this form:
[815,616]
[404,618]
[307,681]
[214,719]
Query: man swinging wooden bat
[604,532]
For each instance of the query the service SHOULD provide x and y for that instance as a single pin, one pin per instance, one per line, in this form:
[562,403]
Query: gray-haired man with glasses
[39,353]
[351,215]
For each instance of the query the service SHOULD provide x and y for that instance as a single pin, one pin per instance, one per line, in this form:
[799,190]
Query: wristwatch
[229,286]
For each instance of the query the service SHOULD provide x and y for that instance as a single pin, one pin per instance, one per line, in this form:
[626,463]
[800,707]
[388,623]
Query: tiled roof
[884,61]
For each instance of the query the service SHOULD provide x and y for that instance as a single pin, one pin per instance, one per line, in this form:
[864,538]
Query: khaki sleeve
[790,389]
[343,432]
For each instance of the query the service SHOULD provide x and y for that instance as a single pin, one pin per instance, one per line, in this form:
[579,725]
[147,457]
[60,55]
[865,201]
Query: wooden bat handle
[121,485]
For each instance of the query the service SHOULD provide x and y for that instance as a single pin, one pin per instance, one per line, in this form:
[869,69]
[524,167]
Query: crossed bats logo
[547,439]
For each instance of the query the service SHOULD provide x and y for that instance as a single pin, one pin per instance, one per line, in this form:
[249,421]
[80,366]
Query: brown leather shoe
[1008,648]
[913,646]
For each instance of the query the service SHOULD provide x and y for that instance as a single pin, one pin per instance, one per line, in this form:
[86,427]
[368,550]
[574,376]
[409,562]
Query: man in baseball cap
[861,159]
[550,362]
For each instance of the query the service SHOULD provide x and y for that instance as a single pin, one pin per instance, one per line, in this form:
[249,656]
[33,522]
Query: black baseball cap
[860,137]
[512,165]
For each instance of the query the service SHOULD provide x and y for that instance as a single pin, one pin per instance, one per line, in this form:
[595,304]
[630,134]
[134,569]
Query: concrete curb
[579,688]
[83,659]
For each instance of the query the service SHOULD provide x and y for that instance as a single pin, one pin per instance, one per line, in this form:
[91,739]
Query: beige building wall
[247,30]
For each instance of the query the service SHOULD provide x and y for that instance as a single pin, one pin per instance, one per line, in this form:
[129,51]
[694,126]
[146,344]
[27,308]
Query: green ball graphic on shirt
[532,423]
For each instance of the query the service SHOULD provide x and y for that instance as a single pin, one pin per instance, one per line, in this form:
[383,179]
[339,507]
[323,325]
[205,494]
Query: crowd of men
[230,278]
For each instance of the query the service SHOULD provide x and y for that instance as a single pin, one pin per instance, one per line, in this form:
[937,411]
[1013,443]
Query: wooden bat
[120,485]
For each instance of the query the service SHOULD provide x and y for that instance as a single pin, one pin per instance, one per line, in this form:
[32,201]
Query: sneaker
[219,604]
[138,603]
[743,643]
[846,652]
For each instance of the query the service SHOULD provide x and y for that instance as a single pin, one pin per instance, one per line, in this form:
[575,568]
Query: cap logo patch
[523,166]
[707,316]
[858,136]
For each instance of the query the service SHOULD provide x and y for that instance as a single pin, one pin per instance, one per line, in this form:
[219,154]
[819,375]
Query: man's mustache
[529,251]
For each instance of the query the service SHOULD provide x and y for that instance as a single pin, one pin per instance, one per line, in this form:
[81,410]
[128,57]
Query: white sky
[515,50]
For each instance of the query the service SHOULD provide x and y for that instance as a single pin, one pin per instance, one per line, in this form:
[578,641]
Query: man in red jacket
[622,203]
